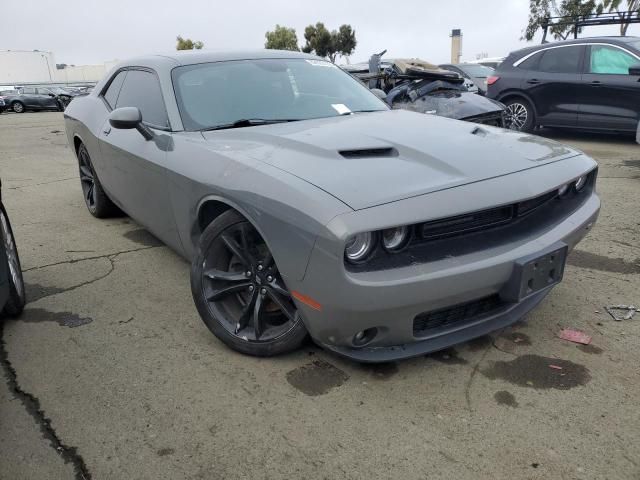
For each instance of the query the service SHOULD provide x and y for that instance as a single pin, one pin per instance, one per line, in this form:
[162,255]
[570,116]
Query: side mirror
[379,93]
[126,118]
[634,70]
[51,94]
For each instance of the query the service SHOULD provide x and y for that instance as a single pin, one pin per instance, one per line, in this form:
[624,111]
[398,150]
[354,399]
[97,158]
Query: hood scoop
[369,153]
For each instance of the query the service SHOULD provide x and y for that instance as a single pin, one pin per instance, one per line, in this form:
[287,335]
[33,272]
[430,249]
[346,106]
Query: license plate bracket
[535,273]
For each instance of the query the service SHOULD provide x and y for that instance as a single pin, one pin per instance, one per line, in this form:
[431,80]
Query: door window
[611,60]
[44,91]
[142,89]
[29,91]
[560,60]
[111,95]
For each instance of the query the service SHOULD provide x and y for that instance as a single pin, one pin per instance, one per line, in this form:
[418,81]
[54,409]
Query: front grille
[461,313]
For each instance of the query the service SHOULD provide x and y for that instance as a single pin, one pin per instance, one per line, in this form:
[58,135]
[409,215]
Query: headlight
[359,247]
[580,183]
[394,238]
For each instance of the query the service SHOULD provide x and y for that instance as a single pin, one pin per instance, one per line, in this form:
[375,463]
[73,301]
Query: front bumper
[390,300]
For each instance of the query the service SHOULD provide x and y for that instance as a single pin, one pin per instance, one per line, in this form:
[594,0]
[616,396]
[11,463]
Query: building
[21,67]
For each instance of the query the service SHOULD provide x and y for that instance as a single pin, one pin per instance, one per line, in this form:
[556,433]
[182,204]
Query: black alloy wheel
[239,291]
[98,204]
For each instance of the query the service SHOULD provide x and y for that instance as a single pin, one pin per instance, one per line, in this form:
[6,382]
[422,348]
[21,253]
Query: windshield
[221,93]
[478,71]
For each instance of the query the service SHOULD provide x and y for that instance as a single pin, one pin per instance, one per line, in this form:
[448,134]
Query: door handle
[106,131]
[596,83]
[533,81]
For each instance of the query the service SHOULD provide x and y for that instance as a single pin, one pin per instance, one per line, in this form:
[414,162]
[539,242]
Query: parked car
[473,73]
[589,83]
[12,293]
[33,98]
[2,104]
[416,85]
[307,206]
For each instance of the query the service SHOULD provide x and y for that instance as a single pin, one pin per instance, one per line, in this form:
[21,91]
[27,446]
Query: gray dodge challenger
[307,207]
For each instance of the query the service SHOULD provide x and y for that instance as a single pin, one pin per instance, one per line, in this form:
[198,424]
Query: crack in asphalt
[476,368]
[43,183]
[95,257]
[31,403]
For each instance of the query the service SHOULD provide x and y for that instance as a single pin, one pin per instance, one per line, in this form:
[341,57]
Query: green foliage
[329,44]
[188,44]
[622,6]
[541,10]
[282,38]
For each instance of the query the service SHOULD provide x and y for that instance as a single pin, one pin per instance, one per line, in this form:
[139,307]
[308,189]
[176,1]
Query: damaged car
[419,86]
[308,207]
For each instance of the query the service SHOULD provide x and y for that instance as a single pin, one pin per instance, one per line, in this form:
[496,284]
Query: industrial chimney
[456,45]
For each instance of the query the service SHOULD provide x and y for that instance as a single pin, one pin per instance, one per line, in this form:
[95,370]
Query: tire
[520,115]
[17,298]
[239,292]
[95,198]
[18,107]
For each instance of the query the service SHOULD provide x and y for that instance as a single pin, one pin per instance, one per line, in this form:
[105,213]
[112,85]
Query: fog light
[364,337]
[580,183]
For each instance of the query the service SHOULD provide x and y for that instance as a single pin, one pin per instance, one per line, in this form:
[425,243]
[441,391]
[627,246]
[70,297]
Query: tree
[329,44]
[625,10]
[541,10]
[188,44]
[282,38]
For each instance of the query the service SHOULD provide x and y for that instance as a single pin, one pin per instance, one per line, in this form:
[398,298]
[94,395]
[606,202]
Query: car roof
[192,57]
[576,41]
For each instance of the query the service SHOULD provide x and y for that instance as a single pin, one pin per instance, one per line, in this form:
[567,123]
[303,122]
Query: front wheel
[16,301]
[239,291]
[520,115]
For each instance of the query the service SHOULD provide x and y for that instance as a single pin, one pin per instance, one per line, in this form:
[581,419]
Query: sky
[91,32]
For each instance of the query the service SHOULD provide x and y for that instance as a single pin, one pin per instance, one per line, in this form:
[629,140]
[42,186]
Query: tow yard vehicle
[419,86]
[307,206]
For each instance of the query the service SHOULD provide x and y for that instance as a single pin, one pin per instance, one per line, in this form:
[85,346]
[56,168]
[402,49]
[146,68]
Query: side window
[610,60]
[531,63]
[560,60]
[44,91]
[142,89]
[29,91]
[111,95]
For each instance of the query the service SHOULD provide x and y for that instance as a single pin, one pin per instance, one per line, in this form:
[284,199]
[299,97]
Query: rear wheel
[15,302]
[520,115]
[97,201]
[239,291]
[17,107]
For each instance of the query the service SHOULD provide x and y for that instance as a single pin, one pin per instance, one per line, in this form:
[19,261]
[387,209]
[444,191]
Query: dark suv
[588,83]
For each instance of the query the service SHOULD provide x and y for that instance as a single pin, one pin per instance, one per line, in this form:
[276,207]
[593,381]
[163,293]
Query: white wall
[81,73]
[19,66]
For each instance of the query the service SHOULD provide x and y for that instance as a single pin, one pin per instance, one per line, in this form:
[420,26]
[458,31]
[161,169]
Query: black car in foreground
[588,83]
[12,296]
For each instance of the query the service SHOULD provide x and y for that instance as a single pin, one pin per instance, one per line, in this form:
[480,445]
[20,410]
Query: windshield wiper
[250,122]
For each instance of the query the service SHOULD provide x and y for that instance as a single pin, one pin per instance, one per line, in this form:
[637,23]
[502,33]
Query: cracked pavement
[110,373]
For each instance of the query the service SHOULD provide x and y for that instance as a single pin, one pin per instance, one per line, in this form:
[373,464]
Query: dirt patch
[163,452]
[505,398]
[592,349]
[539,372]
[142,237]
[632,163]
[316,378]
[582,259]
[448,356]
[380,371]
[35,291]
[64,319]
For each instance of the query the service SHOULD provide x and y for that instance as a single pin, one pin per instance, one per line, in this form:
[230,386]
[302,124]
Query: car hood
[370,159]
